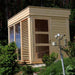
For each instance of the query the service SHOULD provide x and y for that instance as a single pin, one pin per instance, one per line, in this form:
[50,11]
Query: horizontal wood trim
[23,62]
[37,62]
[22,14]
[42,44]
[24,19]
[49,12]
[41,32]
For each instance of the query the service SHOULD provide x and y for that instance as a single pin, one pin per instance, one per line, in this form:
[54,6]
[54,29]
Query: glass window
[41,25]
[42,50]
[41,38]
[17,35]
[11,34]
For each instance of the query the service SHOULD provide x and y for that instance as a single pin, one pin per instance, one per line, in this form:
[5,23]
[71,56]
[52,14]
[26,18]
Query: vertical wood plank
[29,38]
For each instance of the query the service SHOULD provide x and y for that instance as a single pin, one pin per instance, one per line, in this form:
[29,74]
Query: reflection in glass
[18,43]
[41,25]
[41,38]
[42,50]
[11,34]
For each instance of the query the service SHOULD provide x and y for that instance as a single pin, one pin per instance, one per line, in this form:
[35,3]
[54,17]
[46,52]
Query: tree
[72,24]
[8,63]
[72,4]
[3,10]
[70,50]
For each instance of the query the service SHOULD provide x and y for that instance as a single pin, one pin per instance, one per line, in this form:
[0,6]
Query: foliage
[0,15]
[72,4]
[3,42]
[70,70]
[48,60]
[56,68]
[27,70]
[8,63]
[72,29]
[72,24]
[3,21]
[36,69]
[72,16]
[70,51]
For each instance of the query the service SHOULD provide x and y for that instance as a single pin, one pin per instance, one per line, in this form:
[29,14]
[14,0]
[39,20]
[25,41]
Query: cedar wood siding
[58,22]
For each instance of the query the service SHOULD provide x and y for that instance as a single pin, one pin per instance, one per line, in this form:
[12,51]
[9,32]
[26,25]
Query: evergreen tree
[8,63]
[72,24]
[3,30]
[72,4]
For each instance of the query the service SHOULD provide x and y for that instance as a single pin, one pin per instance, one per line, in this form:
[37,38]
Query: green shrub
[70,51]
[70,70]
[48,60]
[8,63]
[27,70]
[3,42]
[36,69]
[56,68]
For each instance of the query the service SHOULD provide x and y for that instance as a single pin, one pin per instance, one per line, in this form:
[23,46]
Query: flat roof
[41,11]
[41,8]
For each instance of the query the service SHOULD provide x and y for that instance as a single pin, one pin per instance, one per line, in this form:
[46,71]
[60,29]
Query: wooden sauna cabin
[33,29]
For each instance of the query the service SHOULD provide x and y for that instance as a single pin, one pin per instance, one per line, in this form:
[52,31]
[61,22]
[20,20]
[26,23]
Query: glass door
[41,38]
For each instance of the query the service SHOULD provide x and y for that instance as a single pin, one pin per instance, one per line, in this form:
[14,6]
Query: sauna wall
[59,25]
[25,44]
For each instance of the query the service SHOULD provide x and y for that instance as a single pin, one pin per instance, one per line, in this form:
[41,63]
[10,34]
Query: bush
[3,42]
[8,63]
[70,70]
[56,68]
[36,69]
[48,60]
[70,51]
[27,70]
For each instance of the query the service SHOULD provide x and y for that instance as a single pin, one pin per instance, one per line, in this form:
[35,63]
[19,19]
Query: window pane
[18,43]
[41,25]
[41,38]
[11,34]
[42,50]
